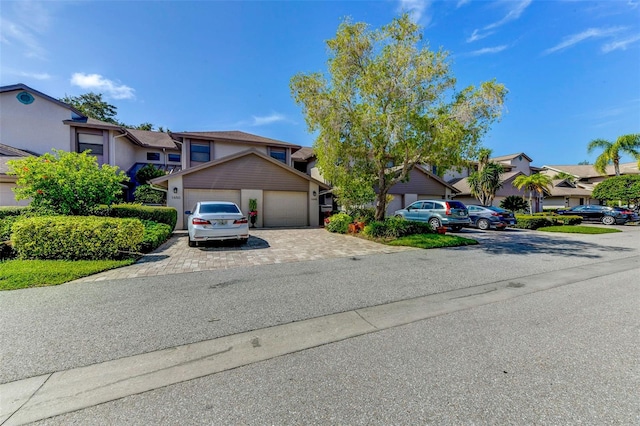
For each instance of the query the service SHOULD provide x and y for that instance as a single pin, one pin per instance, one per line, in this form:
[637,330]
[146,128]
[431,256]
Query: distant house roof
[511,157]
[303,154]
[561,187]
[151,139]
[10,153]
[462,184]
[235,136]
[589,171]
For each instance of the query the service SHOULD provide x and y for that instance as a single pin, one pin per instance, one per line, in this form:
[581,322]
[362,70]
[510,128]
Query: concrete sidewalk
[265,246]
[48,395]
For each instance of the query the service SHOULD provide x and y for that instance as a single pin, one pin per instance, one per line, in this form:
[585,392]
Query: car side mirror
[408,208]
[187,212]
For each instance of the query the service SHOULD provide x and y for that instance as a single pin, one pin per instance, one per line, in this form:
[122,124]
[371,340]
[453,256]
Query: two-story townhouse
[232,165]
[33,123]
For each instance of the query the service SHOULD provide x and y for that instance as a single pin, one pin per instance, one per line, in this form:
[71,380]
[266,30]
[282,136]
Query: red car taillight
[240,221]
[198,221]
[448,212]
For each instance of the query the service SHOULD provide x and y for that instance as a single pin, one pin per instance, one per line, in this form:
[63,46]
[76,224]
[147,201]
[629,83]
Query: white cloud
[488,50]
[514,13]
[462,3]
[619,44]
[96,82]
[36,75]
[416,10]
[28,21]
[269,119]
[478,36]
[585,35]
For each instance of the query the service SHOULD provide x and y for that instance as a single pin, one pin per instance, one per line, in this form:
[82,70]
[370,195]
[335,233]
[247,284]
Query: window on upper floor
[90,142]
[174,158]
[200,152]
[153,156]
[279,154]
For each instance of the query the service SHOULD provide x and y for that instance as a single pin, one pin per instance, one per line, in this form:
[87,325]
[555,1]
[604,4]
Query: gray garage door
[192,196]
[285,208]
[395,204]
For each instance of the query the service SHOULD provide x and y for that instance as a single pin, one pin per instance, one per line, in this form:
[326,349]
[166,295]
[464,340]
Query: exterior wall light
[175,190]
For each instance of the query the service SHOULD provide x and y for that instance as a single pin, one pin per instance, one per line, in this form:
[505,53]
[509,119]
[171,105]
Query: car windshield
[218,208]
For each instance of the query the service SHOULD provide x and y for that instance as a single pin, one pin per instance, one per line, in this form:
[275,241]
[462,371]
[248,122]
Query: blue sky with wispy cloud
[571,67]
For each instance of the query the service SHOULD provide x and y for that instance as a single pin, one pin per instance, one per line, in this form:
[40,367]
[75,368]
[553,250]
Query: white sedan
[216,221]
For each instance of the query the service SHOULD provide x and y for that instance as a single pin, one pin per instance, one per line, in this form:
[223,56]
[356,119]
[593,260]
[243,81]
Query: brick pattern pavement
[265,246]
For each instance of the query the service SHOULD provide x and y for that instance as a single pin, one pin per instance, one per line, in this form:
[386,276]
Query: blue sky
[572,67]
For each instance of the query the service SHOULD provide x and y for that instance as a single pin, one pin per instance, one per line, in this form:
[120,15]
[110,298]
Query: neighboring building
[577,190]
[230,165]
[33,123]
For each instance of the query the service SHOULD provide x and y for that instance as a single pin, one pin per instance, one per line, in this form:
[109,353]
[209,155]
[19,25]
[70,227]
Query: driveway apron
[265,246]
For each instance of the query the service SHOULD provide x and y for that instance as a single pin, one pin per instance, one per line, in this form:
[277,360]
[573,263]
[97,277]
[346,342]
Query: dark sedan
[486,217]
[605,214]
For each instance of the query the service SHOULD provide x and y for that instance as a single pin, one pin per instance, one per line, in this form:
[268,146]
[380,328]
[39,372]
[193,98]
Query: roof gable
[24,87]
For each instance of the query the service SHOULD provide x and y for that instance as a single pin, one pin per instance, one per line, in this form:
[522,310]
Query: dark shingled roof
[152,139]
[235,135]
[303,154]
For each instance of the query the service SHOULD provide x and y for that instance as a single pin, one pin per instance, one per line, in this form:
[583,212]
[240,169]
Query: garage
[396,203]
[285,208]
[192,196]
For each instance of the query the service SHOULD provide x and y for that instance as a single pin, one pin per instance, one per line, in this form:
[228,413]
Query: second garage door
[285,208]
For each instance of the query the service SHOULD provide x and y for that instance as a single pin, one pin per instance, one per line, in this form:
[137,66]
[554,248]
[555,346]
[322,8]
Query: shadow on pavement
[254,243]
[512,241]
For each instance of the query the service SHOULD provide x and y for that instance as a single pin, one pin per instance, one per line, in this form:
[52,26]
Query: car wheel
[192,243]
[608,220]
[399,216]
[434,222]
[456,228]
[483,224]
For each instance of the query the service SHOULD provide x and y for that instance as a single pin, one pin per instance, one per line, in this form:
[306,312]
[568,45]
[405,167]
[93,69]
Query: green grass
[16,274]
[427,241]
[578,229]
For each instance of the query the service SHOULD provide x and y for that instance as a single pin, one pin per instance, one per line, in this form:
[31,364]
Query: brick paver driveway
[266,246]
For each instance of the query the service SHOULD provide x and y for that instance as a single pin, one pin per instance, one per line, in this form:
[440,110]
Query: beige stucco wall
[176,200]
[314,204]
[520,165]
[36,127]
[223,149]
[7,197]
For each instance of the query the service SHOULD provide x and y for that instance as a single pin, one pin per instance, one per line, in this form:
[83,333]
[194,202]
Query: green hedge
[167,215]
[339,223]
[76,237]
[538,221]
[154,235]
[395,227]
[12,211]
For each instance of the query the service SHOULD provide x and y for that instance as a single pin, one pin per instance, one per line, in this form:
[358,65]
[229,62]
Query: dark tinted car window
[437,206]
[497,209]
[456,205]
[218,208]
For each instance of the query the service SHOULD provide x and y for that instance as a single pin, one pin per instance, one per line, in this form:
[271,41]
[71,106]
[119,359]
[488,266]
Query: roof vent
[25,98]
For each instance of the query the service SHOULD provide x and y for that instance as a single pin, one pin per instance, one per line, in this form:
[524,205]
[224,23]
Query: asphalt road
[58,328]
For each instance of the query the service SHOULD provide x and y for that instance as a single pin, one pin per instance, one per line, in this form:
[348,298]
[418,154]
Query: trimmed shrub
[363,214]
[76,237]
[167,215]
[12,211]
[154,234]
[339,223]
[567,220]
[533,222]
[146,194]
[395,227]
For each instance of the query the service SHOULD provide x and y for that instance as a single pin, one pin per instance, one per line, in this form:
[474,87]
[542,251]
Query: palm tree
[533,183]
[566,176]
[629,144]
[485,183]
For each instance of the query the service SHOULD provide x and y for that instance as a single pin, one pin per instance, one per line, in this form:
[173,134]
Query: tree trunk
[381,205]
[531,203]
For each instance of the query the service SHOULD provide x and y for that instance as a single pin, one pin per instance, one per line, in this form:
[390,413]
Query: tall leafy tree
[486,181]
[66,182]
[623,188]
[535,182]
[387,103]
[92,105]
[612,151]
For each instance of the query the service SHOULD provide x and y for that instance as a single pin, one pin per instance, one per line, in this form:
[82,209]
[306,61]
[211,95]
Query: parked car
[437,213]
[216,221]
[605,214]
[490,217]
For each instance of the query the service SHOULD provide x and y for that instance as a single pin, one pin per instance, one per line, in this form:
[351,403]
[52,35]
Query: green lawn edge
[578,229]
[429,241]
[20,274]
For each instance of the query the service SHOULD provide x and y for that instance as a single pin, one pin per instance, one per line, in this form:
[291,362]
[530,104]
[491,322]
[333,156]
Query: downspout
[112,151]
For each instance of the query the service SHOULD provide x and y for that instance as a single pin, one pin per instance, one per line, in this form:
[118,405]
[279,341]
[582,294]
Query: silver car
[216,221]
[437,213]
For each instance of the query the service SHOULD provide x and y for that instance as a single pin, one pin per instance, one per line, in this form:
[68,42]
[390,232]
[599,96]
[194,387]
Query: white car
[216,221]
